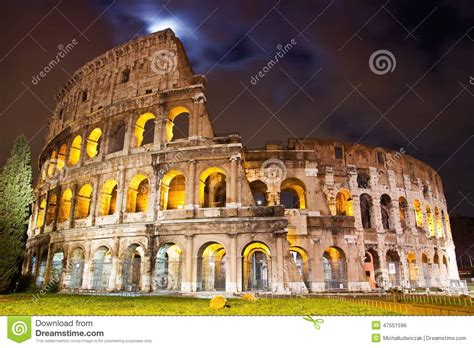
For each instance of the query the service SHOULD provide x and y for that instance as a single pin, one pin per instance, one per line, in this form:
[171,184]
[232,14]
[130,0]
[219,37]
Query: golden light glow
[52,201]
[344,203]
[254,247]
[93,143]
[447,224]
[75,151]
[209,189]
[140,127]
[334,253]
[83,201]
[52,164]
[175,112]
[108,198]
[412,267]
[438,223]
[429,217]
[296,187]
[61,157]
[418,213]
[41,212]
[137,195]
[65,205]
[172,190]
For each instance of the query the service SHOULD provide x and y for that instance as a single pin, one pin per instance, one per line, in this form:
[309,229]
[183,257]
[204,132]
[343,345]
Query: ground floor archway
[256,267]
[168,268]
[211,267]
[335,269]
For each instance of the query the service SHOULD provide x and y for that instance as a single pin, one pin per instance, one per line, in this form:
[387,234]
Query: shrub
[218,302]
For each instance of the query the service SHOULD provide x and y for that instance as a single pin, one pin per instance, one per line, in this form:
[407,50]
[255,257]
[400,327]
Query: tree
[16,196]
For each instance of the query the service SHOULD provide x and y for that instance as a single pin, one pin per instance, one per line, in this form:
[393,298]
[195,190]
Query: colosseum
[136,193]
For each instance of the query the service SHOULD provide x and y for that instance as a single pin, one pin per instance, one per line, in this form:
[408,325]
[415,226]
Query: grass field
[54,304]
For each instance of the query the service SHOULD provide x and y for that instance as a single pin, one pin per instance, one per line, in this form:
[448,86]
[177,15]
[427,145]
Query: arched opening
[211,270]
[93,143]
[41,269]
[65,205]
[51,165]
[75,150]
[108,198]
[212,188]
[412,269]
[172,190]
[438,223]
[426,270]
[144,131]
[366,210]
[403,209]
[77,268]
[385,207]
[429,217]
[41,213]
[61,158]
[372,268]
[418,213]
[132,265]
[300,258]
[393,264]
[57,267]
[102,267]
[259,192]
[444,269]
[256,267]
[137,195]
[168,267]
[177,125]
[293,194]
[335,269]
[344,203]
[436,270]
[83,202]
[363,180]
[116,137]
[51,212]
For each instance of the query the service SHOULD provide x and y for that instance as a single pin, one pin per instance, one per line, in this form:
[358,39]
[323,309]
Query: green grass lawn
[54,304]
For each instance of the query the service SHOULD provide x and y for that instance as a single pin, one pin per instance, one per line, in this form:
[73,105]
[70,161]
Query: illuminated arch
[102,267]
[301,260]
[51,165]
[108,197]
[41,213]
[168,267]
[292,194]
[170,124]
[412,269]
[172,190]
[144,129]
[344,203]
[211,270]
[447,225]
[51,212]
[403,208]
[83,202]
[137,195]
[429,217]
[259,192]
[77,268]
[212,188]
[438,223]
[93,143]
[75,150]
[132,265]
[61,157]
[335,268]
[418,213]
[256,273]
[65,205]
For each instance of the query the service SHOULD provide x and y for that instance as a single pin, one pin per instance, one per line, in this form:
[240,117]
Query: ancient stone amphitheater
[137,193]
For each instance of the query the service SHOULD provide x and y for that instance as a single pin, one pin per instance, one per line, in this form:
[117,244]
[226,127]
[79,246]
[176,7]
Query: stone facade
[136,193]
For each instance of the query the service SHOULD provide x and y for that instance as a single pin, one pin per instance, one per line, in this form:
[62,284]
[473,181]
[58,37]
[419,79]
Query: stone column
[88,265]
[279,272]
[115,279]
[376,215]
[357,281]
[357,214]
[233,259]
[233,180]
[317,271]
[191,186]
[187,284]
[129,140]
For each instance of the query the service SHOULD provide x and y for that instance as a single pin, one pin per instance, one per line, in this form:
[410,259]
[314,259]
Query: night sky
[323,87]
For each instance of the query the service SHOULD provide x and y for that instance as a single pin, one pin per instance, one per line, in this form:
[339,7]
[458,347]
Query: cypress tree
[16,196]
